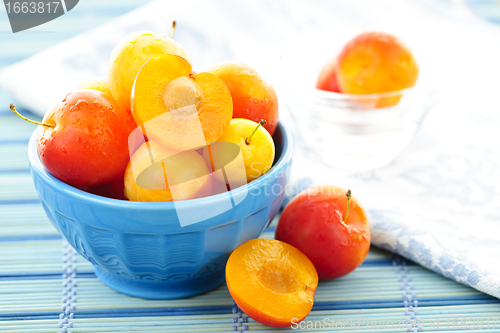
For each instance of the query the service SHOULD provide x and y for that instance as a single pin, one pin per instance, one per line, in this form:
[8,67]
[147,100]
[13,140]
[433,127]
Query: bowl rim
[75,193]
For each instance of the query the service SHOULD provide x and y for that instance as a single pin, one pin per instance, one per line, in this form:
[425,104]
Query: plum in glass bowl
[349,131]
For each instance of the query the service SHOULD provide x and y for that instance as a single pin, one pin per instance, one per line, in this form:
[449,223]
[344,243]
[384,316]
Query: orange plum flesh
[271,281]
[177,108]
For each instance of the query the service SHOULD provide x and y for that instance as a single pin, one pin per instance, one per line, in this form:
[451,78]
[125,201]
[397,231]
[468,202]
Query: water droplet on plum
[79,104]
[96,103]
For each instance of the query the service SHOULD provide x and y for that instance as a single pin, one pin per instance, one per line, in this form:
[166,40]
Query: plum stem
[13,108]
[173,30]
[262,122]
[348,195]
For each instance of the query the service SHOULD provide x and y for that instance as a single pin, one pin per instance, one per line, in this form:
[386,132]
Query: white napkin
[437,204]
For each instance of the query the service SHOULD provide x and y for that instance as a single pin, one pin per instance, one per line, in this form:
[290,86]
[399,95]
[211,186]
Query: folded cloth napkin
[437,204]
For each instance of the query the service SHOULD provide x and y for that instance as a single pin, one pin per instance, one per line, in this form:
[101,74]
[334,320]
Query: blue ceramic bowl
[140,248]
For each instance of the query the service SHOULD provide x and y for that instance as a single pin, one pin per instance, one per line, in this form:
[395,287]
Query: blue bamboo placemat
[46,287]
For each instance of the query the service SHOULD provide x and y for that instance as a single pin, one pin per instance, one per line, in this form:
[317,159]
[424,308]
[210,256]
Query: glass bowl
[348,131]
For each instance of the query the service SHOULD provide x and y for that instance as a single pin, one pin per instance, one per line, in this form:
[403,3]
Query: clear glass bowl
[347,131]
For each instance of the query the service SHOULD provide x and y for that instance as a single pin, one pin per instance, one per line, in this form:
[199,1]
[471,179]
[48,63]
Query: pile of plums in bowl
[156,173]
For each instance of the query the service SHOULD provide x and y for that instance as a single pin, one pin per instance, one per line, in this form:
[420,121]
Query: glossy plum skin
[253,97]
[89,144]
[327,79]
[114,189]
[258,154]
[374,63]
[313,223]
